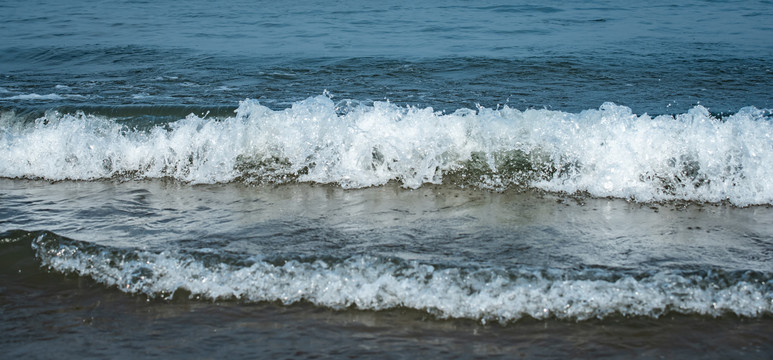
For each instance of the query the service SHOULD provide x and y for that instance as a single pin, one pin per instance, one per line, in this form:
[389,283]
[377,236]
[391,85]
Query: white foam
[605,152]
[692,156]
[34,96]
[363,282]
[47,97]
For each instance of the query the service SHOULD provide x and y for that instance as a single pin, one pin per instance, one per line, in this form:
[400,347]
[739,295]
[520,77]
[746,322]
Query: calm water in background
[354,205]
[655,57]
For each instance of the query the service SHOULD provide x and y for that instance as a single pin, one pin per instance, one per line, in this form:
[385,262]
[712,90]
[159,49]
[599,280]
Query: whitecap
[34,96]
[606,152]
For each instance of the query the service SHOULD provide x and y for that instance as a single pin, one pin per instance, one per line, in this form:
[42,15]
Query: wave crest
[605,152]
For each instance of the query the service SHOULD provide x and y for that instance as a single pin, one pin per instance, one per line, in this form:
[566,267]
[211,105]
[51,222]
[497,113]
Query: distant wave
[51,96]
[606,152]
[377,283]
[35,97]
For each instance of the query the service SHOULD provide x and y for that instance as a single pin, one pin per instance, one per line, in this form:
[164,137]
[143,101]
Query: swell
[605,152]
[380,283]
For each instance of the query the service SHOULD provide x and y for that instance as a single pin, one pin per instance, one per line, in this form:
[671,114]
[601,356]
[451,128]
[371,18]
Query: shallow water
[444,224]
[495,273]
[81,319]
[525,233]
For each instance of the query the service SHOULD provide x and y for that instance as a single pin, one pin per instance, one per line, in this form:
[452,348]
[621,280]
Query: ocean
[351,179]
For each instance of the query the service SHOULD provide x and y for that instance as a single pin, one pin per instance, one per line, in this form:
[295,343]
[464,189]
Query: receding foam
[377,283]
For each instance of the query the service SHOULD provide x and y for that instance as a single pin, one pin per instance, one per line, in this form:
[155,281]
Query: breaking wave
[606,152]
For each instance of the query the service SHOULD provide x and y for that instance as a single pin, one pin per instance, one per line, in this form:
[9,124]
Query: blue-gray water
[652,57]
[360,178]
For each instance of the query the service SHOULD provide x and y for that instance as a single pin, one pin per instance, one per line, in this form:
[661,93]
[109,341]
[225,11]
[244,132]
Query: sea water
[360,178]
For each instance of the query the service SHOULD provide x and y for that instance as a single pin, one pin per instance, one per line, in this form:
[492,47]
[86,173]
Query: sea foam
[376,283]
[34,96]
[607,151]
